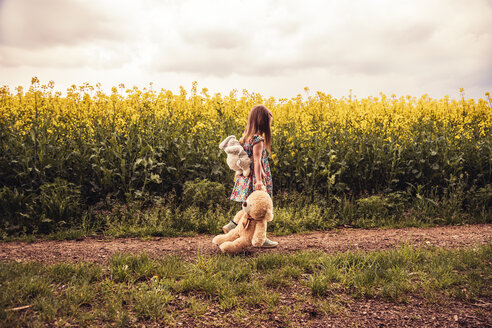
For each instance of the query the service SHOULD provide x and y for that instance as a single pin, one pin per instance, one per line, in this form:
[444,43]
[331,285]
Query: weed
[150,303]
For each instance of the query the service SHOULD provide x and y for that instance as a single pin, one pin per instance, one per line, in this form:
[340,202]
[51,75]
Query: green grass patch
[293,213]
[132,290]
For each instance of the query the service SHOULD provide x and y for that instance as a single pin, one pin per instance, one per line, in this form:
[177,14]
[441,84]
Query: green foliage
[481,198]
[12,204]
[295,213]
[372,206]
[55,205]
[59,203]
[203,193]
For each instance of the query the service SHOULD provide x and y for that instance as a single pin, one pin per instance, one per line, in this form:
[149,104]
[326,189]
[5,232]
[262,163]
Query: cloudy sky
[272,47]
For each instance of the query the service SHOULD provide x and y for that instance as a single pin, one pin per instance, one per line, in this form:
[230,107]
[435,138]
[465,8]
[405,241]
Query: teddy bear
[237,159]
[251,224]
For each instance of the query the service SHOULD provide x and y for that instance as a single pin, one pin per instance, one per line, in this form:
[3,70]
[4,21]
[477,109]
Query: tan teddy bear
[237,158]
[251,224]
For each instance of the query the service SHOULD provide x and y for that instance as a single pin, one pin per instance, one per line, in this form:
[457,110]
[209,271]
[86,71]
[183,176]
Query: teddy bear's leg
[235,246]
[241,163]
[259,235]
[231,235]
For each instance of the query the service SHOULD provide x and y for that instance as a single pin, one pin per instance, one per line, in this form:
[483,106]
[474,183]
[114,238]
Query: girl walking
[256,140]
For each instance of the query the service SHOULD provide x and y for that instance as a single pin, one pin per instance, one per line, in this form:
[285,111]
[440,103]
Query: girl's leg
[233,223]
[228,227]
[269,243]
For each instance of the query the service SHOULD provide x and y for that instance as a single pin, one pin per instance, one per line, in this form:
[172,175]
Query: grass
[292,214]
[137,290]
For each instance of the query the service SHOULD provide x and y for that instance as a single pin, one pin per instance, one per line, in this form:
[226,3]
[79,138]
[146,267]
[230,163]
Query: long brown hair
[258,123]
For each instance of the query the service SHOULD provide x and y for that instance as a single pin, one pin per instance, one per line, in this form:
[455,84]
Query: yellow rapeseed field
[87,145]
[309,114]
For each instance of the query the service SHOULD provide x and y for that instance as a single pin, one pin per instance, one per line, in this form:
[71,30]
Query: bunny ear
[224,143]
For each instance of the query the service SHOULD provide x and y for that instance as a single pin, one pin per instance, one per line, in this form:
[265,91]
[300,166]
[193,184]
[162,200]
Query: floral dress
[245,185]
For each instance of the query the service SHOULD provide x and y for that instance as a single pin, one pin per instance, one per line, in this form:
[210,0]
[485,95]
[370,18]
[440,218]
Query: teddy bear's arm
[259,236]
[234,150]
[244,162]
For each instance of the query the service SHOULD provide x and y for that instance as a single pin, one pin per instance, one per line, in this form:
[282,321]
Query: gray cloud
[215,38]
[95,56]
[51,23]
[62,34]
[355,43]
[216,62]
[362,44]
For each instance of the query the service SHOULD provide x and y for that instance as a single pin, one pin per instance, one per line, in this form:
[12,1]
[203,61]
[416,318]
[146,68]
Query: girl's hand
[259,186]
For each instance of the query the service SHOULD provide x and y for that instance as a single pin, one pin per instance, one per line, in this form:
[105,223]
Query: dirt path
[364,312]
[98,250]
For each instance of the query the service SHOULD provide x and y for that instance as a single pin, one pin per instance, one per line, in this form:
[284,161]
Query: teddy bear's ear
[269,215]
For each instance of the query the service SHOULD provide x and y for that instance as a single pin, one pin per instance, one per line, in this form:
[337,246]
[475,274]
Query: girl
[256,140]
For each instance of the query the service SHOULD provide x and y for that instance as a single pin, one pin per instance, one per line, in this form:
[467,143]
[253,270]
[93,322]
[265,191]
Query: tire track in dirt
[337,240]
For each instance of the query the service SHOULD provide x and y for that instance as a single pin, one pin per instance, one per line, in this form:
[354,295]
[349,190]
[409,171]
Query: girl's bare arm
[257,150]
